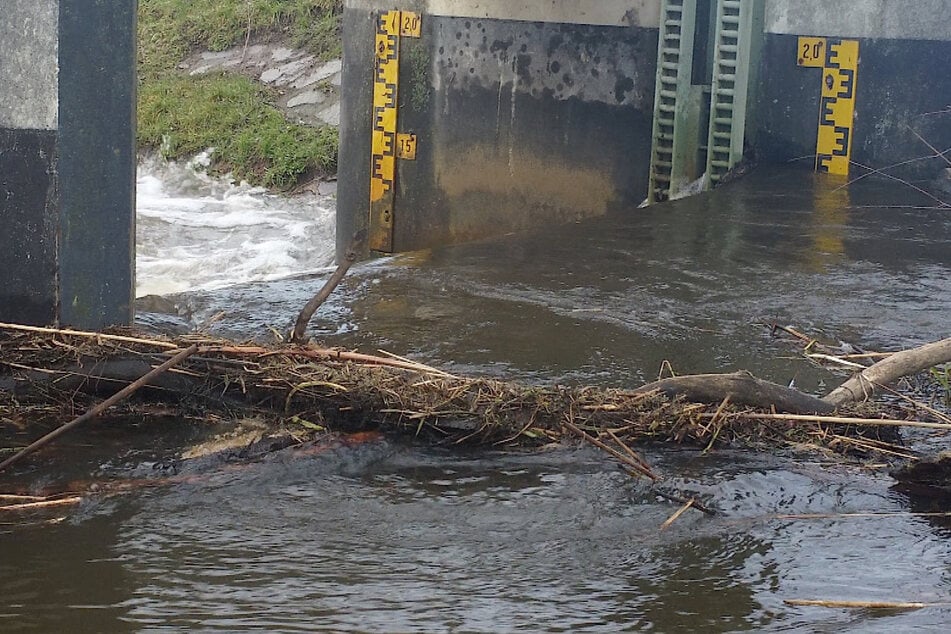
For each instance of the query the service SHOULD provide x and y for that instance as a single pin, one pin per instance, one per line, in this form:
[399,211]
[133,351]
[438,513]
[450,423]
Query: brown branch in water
[630,462]
[743,389]
[98,409]
[297,335]
[864,384]
[867,605]
[32,506]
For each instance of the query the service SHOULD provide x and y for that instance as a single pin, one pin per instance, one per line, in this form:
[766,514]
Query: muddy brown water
[390,536]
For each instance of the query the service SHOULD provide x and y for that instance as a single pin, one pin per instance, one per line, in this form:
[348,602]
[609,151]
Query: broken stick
[98,409]
[864,384]
[297,335]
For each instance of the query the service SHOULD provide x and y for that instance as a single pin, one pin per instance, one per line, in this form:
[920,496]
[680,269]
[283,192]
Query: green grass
[183,115]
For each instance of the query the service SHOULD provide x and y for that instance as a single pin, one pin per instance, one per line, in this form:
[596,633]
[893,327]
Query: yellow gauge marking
[406,146]
[383,140]
[839,61]
[410,24]
[385,144]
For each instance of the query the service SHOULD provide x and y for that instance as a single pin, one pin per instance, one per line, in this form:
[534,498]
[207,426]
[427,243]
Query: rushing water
[199,232]
[390,536]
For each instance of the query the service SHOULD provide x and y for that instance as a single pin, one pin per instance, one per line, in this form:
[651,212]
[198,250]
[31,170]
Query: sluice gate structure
[467,119]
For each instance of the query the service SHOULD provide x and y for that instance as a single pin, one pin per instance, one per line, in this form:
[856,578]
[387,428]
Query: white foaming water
[194,231]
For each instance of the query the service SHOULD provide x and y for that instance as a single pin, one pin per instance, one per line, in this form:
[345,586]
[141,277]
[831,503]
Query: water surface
[389,536]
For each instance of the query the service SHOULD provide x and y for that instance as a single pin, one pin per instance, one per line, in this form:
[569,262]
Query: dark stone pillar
[67,162]
[97,162]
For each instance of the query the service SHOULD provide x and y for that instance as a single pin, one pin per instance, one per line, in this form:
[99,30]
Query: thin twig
[633,454]
[868,605]
[871,446]
[843,420]
[857,515]
[673,518]
[633,464]
[939,415]
[13,497]
[93,335]
[31,506]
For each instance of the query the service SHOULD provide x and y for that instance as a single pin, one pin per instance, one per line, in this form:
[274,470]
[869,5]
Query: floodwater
[388,536]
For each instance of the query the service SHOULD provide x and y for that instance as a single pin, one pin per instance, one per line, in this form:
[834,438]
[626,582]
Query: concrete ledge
[888,19]
[644,13]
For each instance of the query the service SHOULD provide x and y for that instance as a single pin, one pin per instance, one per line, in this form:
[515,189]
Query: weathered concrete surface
[28,201]
[308,88]
[893,19]
[899,92]
[644,13]
[67,162]
[97,159]
[519,124]
[28,69]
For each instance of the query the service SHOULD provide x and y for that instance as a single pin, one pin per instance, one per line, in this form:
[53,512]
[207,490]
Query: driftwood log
[742,388]
[864,385]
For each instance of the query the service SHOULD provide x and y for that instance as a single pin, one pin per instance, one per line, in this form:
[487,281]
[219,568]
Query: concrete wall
[902,86]
[519,122]
[530,112]
[28,64]
[67,161]
[644,13]
[890,19]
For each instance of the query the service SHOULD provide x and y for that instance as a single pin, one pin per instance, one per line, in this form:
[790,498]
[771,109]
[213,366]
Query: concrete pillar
[67,162]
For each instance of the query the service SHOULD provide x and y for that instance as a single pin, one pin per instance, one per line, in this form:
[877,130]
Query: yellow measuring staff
[386,69]
[839,61]
[386,145]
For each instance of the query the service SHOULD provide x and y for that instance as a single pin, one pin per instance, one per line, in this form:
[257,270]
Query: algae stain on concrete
[420,89]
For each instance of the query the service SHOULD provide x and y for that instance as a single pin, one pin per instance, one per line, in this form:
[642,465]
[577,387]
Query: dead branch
[44,504]
[865,605]
[742,388]
[297,336]
[864,384]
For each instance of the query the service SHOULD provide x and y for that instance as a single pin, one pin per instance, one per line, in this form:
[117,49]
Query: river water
[389,536]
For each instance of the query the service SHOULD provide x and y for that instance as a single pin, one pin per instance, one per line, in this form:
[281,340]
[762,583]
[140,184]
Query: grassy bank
[183,115]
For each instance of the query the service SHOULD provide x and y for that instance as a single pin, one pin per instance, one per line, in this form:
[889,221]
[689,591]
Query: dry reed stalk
[633,464]
[843,420]
[633,454]
[89,335]
[918,404]
[673,518]
[31,506]
[868,605]
[873,446]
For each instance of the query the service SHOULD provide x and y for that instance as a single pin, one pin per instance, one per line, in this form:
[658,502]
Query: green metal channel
[676,107]
[731,69]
